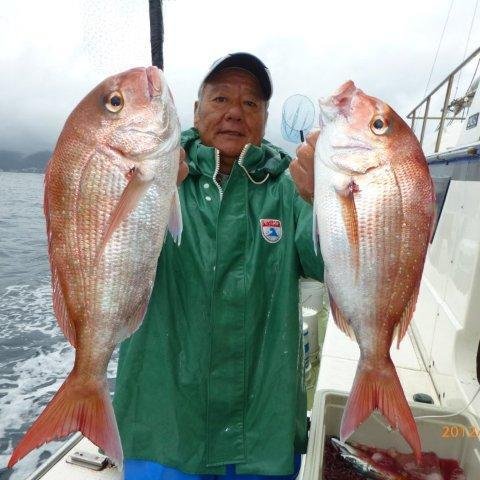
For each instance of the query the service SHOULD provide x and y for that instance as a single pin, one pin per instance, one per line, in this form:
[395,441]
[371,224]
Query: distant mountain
[11,161]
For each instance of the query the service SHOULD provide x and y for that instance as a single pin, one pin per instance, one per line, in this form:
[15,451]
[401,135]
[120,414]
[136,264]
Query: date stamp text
[460,431]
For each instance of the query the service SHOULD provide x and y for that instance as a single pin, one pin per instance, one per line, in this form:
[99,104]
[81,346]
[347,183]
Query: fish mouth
[339,103]
[154,81]
[345,91]
[341,100]
[352,147]
[148,133]
[342,447]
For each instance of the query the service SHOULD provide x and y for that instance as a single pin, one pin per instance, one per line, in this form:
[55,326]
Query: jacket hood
[258,160]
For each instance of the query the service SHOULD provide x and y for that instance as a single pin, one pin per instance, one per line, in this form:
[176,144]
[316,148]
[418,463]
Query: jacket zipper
[217,166]
[215,173]
[242,154]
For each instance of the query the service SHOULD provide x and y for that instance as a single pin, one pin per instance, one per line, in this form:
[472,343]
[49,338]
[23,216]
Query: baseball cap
[247,62]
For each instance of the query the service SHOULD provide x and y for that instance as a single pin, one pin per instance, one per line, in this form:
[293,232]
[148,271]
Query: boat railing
[56,457]
[437,109]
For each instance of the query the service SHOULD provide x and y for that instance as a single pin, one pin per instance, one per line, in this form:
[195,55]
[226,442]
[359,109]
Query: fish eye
[379,125]
[114,102]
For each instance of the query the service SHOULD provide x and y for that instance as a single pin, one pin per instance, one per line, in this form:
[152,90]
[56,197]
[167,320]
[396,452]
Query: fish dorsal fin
[342,323]
[131,196]
[58,300]
[350,221]
[404,322]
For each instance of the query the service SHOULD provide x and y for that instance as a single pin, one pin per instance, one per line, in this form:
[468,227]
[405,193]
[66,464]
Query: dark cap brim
[247,62]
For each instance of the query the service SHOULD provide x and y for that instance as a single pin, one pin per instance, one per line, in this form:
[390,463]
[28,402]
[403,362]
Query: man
[212,383]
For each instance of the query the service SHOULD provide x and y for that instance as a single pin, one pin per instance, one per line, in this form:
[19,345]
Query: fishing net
[298,115]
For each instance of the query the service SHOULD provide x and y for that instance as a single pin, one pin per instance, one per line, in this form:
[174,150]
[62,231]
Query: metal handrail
[411,115]
[56,457]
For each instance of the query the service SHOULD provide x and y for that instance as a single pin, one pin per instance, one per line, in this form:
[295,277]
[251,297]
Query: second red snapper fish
[373,205]
[110,192]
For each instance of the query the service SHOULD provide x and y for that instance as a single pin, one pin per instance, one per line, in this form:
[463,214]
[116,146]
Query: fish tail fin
[380,390]
[79,405]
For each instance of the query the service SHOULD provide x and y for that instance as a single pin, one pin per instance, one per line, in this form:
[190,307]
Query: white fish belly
[379,218]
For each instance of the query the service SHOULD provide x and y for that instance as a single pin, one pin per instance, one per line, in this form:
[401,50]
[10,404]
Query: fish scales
[110,191]
[373,243]
[373,208]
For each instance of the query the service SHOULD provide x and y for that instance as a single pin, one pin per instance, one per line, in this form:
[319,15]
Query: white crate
[462,444]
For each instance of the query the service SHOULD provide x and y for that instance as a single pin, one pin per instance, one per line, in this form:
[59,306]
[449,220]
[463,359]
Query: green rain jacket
[214,375]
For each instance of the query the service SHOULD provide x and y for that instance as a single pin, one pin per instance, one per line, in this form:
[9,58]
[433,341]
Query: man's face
[231,112]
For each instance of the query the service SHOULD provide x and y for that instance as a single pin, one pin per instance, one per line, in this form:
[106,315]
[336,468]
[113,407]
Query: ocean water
[35,357]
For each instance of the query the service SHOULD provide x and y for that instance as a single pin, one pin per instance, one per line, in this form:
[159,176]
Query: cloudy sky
[54,51]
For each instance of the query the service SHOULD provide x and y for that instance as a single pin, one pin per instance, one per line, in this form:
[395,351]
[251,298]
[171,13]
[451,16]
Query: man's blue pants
[145,470]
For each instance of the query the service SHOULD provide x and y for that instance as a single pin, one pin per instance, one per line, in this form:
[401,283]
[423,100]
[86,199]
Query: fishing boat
[438,361]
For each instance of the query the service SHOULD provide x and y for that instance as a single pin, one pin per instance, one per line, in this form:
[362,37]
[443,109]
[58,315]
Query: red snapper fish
[374,205]
[110,192]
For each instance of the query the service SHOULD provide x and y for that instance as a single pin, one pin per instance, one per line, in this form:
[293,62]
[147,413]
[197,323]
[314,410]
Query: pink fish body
[374,204]
[110,192]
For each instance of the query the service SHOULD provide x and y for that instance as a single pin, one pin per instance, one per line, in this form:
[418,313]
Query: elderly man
[212,383]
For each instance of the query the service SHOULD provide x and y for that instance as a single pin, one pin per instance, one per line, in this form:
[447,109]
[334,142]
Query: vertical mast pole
[156,32]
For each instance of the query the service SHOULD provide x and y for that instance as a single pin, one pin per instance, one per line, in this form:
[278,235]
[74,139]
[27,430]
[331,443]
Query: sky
[53,52]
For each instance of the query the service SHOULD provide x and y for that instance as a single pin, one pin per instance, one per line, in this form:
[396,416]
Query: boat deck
[61,469]
[340,356]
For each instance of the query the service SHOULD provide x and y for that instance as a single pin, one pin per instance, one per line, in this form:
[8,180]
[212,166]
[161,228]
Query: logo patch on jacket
[271,229]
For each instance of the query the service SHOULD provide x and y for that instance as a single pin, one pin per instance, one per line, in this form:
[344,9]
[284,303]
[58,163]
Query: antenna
[298,114]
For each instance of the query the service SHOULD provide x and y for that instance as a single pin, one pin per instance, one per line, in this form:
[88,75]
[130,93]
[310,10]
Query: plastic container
[312,294]
[306,346]
[456,437]
[314,311]
[306,354]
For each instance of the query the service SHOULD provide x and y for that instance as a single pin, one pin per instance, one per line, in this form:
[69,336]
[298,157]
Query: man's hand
[182,167]
[301,167]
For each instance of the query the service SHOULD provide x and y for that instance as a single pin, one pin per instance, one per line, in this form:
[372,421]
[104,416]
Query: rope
[466,47]
[251,179]
[471,82]
[438,48]
[474,74]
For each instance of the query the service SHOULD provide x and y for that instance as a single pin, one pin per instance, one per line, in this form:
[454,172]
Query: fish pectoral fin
[131,196]
[175,223]
[404,322]
[350,221]
[342,323]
